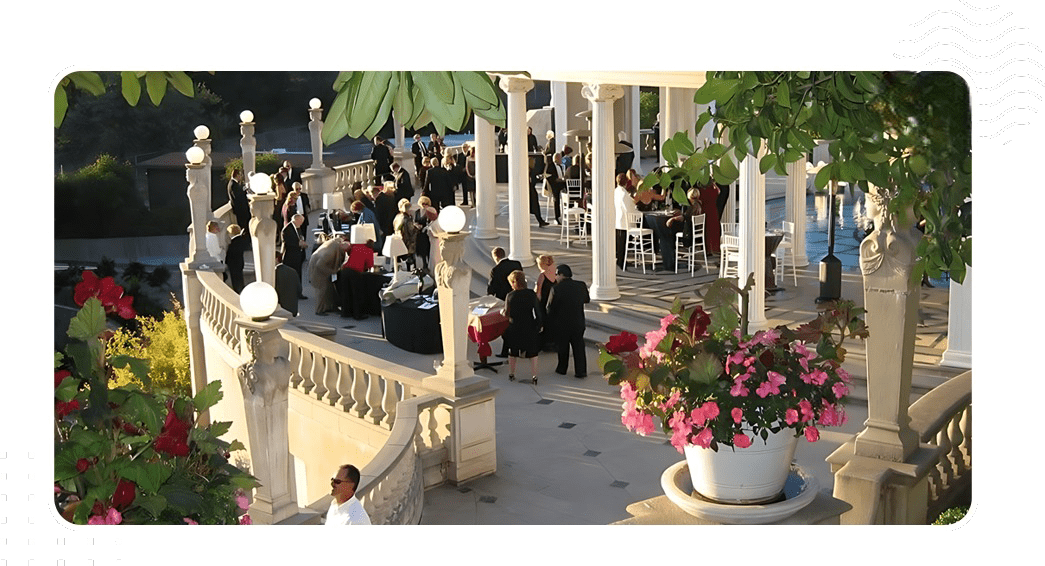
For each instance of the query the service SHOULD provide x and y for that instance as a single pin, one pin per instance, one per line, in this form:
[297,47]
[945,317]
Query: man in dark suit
[238,199]
[566,312]
[419,150]
[293,248]
[293,174]
[385,206]
[288,287]
[626,158]
[404,189]
[382,156]
[239,244]
[435,148]
[555,182]
[499,285]
[439,186]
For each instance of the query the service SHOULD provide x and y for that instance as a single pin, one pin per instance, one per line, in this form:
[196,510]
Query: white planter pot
[751,475]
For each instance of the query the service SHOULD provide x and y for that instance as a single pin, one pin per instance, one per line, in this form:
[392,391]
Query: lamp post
[452,275]
[263,228]
[247,143]
[264,384]
[315,130]
[199,199]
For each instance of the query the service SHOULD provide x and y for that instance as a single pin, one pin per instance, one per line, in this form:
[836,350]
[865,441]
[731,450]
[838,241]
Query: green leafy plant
[123,456]
[710,383]
[951,516]
[164,341]
[267,163]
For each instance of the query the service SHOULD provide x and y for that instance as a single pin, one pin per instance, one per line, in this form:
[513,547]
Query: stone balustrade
[348,174]
[943,417]
[220,310]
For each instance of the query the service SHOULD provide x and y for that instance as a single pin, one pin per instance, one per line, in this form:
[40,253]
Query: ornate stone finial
[515,83]
[889,252]
[601,91]
[452,250]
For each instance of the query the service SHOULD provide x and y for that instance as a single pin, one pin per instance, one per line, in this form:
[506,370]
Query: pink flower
[241,500]
[737,413]
[738,389]
[806,410]
[653,339]
[734,359]
[843,375]
[790,416]
[801,350]
[815,377]
[245,520]
[704,438]
[189,521]
[840,390]
[112,517]
[627,392]
[812,435]
[667,320]
[772,385]
[740,440]
[672,399]
[710,409]
[680,430]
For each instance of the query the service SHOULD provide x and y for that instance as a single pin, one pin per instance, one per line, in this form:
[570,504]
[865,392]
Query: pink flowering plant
[126,456]
[709,383]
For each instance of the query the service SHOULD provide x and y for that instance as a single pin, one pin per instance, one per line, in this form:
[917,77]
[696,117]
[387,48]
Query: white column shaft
[795,208]
[752,239]
[560,103]
[959,324]
[518,171]
[603,260]
[485,180]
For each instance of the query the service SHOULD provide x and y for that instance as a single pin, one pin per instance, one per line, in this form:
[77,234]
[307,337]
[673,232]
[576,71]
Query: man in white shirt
[623,203]
[345,509]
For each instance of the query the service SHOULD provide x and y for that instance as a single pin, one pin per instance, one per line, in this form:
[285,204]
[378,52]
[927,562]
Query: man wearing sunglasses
[345,509]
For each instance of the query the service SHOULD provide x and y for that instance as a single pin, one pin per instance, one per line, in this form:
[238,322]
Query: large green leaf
[89,322]
[403,104]
[61,105]
[144,409]
[705,368]
[148,475]
[181,82]
[88,81]
[208,396]
[372,87]
[480,88]
[385,108]
[130,87]
[156,86]
[720,91]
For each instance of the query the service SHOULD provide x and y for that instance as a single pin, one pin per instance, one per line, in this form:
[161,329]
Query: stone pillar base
[473,440]
[883,492]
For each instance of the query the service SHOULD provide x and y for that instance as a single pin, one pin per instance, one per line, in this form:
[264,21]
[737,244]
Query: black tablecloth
[360,292]
[411,328]
[664,236]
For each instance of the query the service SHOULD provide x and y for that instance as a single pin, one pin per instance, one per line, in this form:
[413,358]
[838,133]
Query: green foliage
[444,99]
[130,87]
[164,342]
[649,107]
[951,516]
[96,199]
[267,163]
[906,133]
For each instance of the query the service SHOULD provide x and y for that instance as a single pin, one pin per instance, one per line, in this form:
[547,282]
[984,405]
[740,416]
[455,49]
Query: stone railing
[943,417]
[220,310]
[348,174]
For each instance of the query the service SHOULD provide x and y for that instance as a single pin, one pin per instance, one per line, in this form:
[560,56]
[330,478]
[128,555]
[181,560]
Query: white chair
[572,219]
[696,245]
[730,229]
[573,191]
[585,222]
[729,256]
[786,247]
[639,243]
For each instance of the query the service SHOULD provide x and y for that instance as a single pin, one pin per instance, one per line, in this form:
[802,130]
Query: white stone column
[560,102]
[264,383]
[959,324]
[318,178]
[633,126]
[199,212]
[752,193]
[400,132]
[518,171]
[795,208]
[603,257]
[485,180]
[263,237]
[192,307]
[678,114]
[247,143]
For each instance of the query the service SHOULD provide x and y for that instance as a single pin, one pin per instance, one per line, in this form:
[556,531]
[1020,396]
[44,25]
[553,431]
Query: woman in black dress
[543,288]
[522,337]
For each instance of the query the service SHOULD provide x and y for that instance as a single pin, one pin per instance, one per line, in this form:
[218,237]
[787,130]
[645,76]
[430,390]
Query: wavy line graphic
[935,64]
[1006,111]
[1012,93]
[994,39]
[941,13]
[1006,127]
[978,9]
[966,51]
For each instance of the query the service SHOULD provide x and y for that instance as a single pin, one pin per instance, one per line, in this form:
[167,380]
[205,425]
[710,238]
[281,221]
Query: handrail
[220,309]
[348,174]
[943,417]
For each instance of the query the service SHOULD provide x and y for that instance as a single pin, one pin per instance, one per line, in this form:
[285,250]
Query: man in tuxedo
[404,189]
[419,150]
[566,314]
[239,244]
[438,185]
[382,155]
[293,174]
[386,206]
[531,142]
[238,198]
[553,175]
[499,285]
[624,160]
[293,248]
[435,148]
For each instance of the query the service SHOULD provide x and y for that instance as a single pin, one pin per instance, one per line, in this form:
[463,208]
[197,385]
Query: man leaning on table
[346,509]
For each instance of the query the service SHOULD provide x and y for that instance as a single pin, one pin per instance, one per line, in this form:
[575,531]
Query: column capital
[514,83]
[600,92]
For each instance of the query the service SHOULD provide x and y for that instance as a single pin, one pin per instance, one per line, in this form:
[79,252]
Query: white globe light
[260,183]
[202,132]
[452,219]
[258,300]
[315,104]
[246,116]
[195,155]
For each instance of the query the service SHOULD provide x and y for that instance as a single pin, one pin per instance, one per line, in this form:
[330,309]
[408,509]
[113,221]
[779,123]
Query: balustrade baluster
[967,433]
[389,402]
[294,360]
[344,386]
[308,370]
[957,461]
[360,408]
[331,381]
[319,375]
[373,398]
[946,471]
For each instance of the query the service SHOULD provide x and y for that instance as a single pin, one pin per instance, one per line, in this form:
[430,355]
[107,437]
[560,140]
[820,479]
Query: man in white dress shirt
[345,509]
[624,203]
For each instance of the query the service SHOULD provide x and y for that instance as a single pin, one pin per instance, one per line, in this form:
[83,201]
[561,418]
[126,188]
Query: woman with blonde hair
[522,337]
[407,229]
[543,288]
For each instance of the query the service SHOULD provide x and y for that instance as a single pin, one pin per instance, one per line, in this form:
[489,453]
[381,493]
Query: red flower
[698,323]
[107,291]
[62,408]
[623,342]
[124,494]
[59,376]
[82,465]
[174,438]
[171,445]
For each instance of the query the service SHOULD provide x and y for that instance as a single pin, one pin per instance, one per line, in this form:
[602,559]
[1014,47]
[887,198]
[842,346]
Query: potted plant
[724,395]
[125,456]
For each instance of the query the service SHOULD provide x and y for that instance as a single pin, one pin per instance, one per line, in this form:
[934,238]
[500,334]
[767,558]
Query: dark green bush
[95,200]
[951,516]
[263,163]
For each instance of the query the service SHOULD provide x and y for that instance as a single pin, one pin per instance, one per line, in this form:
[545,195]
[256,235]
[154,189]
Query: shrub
[96,200]
[263,163]
[951,516]
[165,342]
